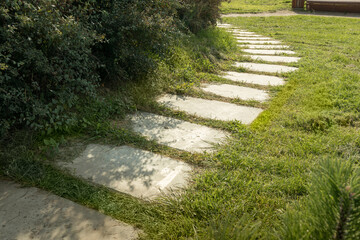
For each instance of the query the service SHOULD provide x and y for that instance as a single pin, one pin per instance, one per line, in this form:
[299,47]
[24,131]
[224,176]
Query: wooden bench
[334,5]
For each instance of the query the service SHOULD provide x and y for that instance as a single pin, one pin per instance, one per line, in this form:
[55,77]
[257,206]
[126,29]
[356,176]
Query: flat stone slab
[232,91]
[253,38]
[274,58]
[242,32]
[247,35]
[224,25]
[270,58]
[258,41]
[139,173]
[261,67]
[176,133]
[268,52]
[30,213]
[266,46]
[211,109]
[254,78]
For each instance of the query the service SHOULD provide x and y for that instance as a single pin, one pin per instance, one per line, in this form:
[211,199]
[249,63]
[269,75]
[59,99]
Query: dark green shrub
[199,14]
[46,62]
[54,52]
[136,33]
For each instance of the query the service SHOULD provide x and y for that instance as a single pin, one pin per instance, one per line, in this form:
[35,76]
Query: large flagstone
[224,25]
[139,173]
[236,31]
[176,133]
[232,91]
[247,35]
[254,78]
[253,38]
[261,67]
[250,46]
[258,42]
[30,213]
[268,52]
[274,58]
[211,109]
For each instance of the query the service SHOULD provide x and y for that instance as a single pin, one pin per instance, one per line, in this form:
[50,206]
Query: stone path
[28,213]
[145,175]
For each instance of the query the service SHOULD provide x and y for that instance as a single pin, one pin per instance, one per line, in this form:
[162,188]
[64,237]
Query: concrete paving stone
[211,109]
[269,68]
[139,173]
[247,35]
[254,78]
[232,91]
[224,25]
[242,32]
[265,46]
[30,213]
[268,52]
[274,58]
[176,133]
[258,41]
[253,38]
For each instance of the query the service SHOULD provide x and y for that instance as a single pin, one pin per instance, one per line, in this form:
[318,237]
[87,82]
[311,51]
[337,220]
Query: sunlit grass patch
[255,6]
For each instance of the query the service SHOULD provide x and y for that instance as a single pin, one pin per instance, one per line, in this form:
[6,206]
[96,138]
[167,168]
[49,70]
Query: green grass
[243,190]
[255,6]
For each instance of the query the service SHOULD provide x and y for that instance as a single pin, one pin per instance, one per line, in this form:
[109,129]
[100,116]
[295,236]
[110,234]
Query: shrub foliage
[53,52]
[46,63]
[199,14]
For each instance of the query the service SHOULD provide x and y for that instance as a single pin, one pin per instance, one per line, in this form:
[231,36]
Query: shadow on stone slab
[264,80]
[279,59]
[233,91]
[30,213]
[139,173]
[211,109]
[261,67]
[176,133]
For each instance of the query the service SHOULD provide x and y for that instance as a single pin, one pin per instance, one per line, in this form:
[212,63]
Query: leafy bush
[199,14]
[54,52]
[137,32]
[46,62]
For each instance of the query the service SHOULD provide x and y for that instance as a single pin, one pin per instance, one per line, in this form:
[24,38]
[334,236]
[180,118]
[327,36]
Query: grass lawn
[242,191]
[255,6]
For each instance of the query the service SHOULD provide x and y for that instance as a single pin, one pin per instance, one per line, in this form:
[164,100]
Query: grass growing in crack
[255,6]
